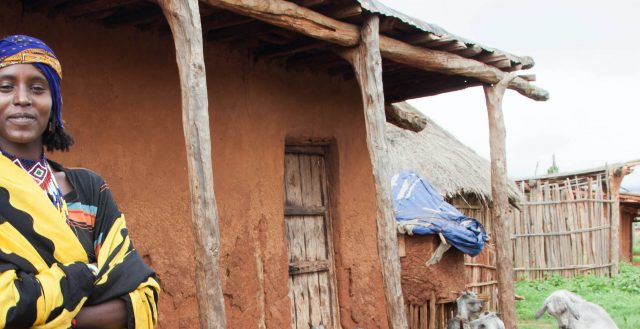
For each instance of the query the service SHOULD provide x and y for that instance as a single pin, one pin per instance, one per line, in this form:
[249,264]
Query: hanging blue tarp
[421,210]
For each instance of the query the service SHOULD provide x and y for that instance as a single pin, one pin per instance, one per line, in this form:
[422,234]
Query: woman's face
[25,106]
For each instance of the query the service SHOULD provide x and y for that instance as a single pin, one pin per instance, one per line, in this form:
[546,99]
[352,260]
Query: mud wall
[419,282]
[122,104]
[627,214]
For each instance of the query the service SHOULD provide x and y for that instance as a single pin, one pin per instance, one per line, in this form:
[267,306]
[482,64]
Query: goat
[573,312]
[468,306]
[487,320]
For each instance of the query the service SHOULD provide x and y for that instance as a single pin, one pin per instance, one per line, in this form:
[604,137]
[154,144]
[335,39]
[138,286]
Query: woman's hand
[108,315]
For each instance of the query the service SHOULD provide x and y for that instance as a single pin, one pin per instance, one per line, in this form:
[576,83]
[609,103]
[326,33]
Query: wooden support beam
[420,38]
[367,64]
[310,3]
[388,24]
[402,91]
[77,9]
[343,11]
[528,77]
[252,29]
[500,204]
[183,17]
[223,20]
[290,16]
[279,37]
[405,117]
[447,63]
[470,51]
[141,16]
[43,5]
[290,50]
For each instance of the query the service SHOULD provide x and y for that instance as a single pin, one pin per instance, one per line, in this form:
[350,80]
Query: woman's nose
[22,96]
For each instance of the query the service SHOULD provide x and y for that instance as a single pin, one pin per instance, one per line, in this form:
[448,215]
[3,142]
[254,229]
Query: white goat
[487,320]
[468,306]
[573,312]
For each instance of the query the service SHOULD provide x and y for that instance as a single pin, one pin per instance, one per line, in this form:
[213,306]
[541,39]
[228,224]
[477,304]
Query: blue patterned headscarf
[23,49]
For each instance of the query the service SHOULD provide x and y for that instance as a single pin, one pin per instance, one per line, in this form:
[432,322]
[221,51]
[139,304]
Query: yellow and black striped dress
[44,280]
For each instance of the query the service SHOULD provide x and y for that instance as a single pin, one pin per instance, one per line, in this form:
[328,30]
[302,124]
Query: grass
[619,296]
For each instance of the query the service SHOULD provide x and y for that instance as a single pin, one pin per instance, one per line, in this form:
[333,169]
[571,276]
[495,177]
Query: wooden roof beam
[289,50]
[342,11]
[42,5]
[403,92]
[78,9]
[148,15]
[222,20]
[308,22]
[310,3]
[254,28]
[405,117]
[470,51]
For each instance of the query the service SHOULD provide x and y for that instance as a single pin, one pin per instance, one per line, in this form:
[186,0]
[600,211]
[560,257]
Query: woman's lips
[22,118]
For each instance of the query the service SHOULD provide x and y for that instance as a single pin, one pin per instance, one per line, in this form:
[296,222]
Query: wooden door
[311,271]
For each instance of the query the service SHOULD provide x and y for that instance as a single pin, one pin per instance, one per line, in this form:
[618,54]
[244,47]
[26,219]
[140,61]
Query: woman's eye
[6,87]
[38,89]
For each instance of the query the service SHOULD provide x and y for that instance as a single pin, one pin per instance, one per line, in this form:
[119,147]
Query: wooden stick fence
[481,269]
[563,227]
[433,314]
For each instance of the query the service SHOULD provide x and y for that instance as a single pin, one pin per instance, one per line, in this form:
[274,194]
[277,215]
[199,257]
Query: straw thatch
[451,167]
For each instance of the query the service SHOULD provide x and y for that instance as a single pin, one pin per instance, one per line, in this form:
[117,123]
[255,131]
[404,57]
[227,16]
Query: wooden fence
[481,269]
[563,228]
[431,315]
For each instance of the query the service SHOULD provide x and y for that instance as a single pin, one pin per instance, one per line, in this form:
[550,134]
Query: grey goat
[468,306]
[487,320]
[573,312]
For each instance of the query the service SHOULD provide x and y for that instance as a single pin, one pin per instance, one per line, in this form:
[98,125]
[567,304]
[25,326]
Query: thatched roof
[450,166]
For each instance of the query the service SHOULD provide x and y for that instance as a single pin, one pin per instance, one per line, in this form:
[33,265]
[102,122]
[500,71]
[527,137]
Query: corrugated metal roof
[378,7]
[584,172]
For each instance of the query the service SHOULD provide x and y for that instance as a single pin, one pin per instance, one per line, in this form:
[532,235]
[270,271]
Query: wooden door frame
[326,149]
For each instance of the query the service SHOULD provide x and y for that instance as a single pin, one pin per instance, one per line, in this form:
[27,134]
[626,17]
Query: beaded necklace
[42,173]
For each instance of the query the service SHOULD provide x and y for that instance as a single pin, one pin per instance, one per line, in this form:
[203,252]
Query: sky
[586,55]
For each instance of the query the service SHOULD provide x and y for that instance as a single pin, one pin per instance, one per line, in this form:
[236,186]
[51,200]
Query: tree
[554,168]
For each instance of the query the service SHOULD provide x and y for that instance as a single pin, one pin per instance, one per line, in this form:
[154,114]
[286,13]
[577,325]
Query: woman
[66,260]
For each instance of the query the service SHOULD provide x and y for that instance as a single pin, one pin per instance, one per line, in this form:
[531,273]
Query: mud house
[463,178]
[629,215]
[275,214]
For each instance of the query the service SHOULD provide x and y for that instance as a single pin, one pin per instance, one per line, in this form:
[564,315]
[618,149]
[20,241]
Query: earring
[52,127]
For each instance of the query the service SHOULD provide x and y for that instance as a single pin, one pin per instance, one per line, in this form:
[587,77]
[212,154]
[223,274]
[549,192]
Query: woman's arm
[108,315]
[21,294]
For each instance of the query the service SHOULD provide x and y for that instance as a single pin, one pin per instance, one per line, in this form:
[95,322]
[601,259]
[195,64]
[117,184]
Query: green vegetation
[554,168]
[619,296]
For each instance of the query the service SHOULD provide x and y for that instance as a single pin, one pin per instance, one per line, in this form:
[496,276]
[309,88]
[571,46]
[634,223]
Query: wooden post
[615,179]
[184,18]
[290,16]
[499,193]
[367,64]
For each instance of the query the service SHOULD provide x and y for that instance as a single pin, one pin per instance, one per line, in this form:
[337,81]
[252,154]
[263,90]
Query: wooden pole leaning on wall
[367,63]
[499,193]
[183,17]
